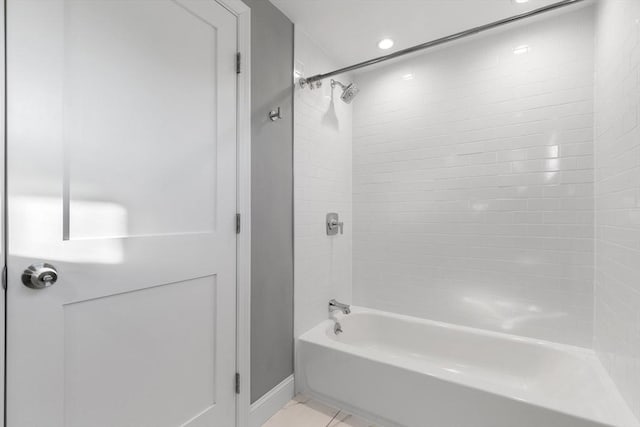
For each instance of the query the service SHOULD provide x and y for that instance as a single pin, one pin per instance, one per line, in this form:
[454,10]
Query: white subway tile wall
[322,184]
[617,154]
[473,182]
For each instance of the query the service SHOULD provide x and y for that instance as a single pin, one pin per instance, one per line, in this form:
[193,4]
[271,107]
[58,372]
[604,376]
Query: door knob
[40,276]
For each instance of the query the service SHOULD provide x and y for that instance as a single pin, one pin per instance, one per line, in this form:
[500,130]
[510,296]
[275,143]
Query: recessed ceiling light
[385,44]
[408,76]
[520,1]
[520,50]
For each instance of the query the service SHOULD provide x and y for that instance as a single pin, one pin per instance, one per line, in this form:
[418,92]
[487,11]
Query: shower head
[348,92]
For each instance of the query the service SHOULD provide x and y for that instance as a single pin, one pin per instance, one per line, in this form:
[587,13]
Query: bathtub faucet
[335,306]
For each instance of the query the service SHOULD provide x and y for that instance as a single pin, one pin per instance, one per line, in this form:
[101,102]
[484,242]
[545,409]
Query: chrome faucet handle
[334,225]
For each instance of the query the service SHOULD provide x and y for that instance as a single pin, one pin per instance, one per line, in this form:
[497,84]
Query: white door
[122,176]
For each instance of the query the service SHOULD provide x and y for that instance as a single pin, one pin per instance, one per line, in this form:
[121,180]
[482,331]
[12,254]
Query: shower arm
[335,82]
[317,79]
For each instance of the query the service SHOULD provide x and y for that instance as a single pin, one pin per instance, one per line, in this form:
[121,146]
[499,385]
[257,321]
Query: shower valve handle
[340,225]
[333,224]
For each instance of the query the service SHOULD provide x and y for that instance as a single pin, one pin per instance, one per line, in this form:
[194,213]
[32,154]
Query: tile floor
[305,412]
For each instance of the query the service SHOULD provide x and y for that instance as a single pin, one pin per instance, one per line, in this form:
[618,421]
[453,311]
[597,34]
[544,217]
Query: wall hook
[275,115]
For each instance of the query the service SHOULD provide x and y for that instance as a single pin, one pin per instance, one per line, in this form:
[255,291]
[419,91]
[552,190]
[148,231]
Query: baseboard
[265,407]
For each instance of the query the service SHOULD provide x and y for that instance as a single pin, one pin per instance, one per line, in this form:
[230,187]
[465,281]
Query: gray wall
[271,198]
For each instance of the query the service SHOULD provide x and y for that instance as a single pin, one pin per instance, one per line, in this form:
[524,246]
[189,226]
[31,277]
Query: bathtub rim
[311,333]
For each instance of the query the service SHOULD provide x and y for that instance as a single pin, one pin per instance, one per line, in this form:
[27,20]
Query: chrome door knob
[40,276]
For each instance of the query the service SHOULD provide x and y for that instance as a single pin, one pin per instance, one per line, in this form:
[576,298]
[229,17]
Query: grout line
[331,420]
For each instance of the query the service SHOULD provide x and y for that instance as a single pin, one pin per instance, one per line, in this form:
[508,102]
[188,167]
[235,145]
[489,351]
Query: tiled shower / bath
[492,184]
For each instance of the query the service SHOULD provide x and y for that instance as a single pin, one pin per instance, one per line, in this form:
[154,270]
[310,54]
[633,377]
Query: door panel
[122,174]
[175,322]
[155,76]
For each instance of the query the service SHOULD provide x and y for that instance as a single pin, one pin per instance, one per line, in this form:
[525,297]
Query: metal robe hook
[275,115]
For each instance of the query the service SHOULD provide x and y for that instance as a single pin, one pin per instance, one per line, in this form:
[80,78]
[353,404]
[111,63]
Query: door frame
[243,207]
[243,203]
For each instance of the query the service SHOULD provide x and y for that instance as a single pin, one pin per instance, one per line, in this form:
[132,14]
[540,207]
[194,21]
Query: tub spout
[338,306]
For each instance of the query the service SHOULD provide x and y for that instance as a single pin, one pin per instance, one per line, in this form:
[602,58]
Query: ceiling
[349,30]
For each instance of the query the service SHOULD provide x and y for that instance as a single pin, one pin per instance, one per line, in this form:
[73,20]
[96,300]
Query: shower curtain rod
[436,42]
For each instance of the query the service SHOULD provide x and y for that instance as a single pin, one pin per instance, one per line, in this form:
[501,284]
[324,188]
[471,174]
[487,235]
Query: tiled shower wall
[322,184]
[617,143]
[473,182]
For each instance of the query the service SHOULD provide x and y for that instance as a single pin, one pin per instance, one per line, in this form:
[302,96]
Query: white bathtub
[403,371]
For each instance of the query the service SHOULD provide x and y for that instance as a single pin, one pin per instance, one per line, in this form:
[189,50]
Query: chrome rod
[442,40]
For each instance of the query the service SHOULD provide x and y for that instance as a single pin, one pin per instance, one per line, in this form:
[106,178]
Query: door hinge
[4,277]
[237,383]
[237,223]
[238,62]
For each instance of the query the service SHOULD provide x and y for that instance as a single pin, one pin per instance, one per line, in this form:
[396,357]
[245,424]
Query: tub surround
[473,182]
[322,169]
[617,142]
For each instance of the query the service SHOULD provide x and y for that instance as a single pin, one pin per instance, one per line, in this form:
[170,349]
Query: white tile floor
[305,412]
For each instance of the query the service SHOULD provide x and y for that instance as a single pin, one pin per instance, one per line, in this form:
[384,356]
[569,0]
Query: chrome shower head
[348,92]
